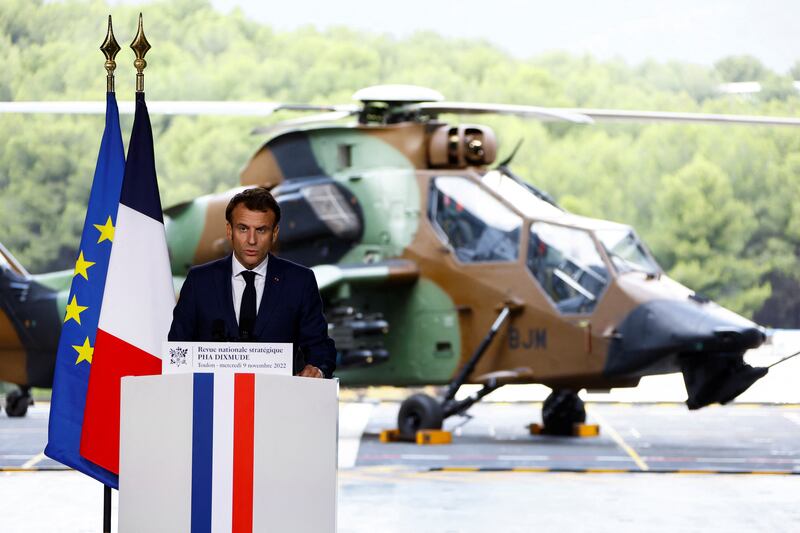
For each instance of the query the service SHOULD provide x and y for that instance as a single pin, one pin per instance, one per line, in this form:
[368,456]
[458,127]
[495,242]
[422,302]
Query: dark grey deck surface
[655,437]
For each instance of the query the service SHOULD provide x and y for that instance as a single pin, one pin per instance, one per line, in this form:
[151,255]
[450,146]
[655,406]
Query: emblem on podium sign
[177,356]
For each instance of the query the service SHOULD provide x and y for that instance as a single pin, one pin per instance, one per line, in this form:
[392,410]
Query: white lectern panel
[295,469]
[155,454]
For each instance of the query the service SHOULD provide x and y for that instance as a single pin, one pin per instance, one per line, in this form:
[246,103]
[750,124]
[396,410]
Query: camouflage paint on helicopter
[388,174]
[30,322]
[423,257]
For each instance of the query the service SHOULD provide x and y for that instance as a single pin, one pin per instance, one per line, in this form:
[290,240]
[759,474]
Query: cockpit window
[518,195]
[626,251]
[475,224]
[7,262]
[568,266]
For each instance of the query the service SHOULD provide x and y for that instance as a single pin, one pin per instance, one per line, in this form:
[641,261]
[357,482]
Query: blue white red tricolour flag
[77,342]
[137,301]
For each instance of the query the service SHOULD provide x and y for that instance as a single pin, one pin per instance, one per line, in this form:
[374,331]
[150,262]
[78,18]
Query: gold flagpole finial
[110,47]
[140,46]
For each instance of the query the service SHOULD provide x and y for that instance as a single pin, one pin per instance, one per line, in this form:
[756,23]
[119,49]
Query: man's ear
[275,233]
[228,230]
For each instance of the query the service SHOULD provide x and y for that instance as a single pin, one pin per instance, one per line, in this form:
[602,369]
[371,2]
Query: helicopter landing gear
[421,411]
[417,412]
[562,409]
[17,402]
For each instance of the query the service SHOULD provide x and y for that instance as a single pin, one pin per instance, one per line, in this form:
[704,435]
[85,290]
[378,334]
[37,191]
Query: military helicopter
[438,268]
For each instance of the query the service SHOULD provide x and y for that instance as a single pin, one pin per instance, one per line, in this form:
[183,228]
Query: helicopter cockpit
[477,226]
[571,258]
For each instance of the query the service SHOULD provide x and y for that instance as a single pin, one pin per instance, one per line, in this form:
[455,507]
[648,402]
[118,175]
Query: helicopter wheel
[419,411]
[561,411]
[17,402]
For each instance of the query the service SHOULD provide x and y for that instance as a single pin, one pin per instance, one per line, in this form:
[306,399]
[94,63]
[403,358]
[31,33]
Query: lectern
[214,452]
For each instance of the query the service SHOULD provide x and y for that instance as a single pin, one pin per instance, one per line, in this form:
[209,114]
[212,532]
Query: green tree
[703,231]
[740,68]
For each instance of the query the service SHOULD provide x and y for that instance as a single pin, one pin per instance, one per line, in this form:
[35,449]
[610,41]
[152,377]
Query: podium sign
[227,357]
[228,453]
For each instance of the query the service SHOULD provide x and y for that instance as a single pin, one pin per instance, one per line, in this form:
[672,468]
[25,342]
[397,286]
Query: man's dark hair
[255,199]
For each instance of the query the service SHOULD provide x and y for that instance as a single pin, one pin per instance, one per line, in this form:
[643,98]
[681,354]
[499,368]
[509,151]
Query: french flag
[137,301]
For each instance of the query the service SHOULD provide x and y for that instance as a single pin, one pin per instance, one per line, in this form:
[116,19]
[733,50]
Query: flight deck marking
[794,417]
[421,457]
[608,428]
[524,470]
[33,461]
[523,457]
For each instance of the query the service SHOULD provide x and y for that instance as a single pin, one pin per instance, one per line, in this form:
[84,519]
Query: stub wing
[394,271]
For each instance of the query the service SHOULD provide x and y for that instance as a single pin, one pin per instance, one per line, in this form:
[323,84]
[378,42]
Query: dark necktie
[247,311]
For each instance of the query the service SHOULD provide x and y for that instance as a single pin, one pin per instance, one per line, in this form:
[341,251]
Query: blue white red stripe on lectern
[243,453]
[223,430]
[202,452]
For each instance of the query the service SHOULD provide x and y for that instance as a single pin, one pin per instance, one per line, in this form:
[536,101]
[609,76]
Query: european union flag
[76,345]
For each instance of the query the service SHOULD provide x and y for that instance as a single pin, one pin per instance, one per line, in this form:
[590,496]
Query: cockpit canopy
[571,258]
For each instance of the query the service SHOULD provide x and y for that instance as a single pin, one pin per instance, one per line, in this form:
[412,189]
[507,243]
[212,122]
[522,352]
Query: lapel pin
[276,279]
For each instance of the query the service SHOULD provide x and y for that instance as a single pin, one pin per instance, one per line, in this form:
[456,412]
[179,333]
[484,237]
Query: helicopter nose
[662,329]
[702,340]
[751,337]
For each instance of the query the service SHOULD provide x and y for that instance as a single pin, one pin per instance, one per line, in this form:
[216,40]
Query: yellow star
[74,311]
[82,267]
[106,231]
[85,352]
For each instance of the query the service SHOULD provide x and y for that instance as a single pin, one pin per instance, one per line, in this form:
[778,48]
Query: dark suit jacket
[290,311]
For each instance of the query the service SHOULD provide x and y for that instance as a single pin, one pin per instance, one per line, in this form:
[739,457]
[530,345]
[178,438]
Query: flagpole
[110,48]
[106,509]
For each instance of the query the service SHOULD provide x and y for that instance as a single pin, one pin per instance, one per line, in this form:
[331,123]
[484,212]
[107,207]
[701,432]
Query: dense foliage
[717,204]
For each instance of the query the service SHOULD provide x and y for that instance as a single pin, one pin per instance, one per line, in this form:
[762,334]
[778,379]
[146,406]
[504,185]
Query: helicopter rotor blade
[472,108]
[301,121]
[335,112]
[621,115]
[163,107]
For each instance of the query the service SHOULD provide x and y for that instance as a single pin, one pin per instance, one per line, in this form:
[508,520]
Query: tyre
[561,411]
[17,403]
[419,411]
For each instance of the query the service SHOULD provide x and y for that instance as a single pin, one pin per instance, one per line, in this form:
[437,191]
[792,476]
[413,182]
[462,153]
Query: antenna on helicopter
[503,167]
[507,161]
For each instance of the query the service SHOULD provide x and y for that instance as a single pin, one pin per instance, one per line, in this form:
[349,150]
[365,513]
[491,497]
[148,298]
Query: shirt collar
[260,270]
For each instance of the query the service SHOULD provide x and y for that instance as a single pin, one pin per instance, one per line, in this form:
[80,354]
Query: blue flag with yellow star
[76,345]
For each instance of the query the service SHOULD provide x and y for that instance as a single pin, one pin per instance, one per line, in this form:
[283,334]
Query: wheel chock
[390,435]
[578,430]
[586,430]
[434,436]
[423,436]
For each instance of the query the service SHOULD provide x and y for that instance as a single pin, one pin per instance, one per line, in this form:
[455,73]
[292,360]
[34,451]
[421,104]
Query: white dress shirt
[238,283]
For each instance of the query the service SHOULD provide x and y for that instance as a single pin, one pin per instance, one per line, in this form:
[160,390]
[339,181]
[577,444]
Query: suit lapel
[223,282]
[271,296]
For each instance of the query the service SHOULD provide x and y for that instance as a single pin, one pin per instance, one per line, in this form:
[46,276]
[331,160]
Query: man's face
[252,234]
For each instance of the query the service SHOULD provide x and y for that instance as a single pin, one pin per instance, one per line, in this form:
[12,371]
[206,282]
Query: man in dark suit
[251,295]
